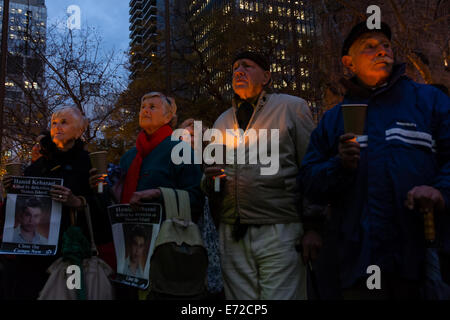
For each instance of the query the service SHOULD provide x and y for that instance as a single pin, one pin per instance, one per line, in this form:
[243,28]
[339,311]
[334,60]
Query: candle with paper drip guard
[354,118]
[217,160]
[99,161]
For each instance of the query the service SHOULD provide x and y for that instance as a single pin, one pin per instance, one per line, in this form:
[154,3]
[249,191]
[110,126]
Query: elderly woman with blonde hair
[65,158]
[149,165]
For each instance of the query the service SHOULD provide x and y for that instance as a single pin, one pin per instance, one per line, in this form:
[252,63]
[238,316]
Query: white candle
[100,187]
[216,184]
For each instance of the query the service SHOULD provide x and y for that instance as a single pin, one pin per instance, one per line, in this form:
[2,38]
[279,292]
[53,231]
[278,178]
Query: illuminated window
[28,85]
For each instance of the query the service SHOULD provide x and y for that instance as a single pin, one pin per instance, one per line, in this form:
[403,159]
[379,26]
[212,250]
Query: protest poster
[134,236]
[32,218]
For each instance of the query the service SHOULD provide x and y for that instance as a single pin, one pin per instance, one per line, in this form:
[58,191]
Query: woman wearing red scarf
[148,165]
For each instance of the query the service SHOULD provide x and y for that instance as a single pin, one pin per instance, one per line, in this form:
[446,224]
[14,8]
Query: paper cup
[14,168]
[354,118]
[100,162]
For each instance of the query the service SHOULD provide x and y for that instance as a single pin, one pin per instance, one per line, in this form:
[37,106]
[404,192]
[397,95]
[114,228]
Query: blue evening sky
[108,17]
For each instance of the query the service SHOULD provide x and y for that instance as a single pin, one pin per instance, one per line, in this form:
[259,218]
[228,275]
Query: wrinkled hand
[7,182]
[138,198]
[349,151]
[65,196]
[95,179]
[311,244]
[425,199]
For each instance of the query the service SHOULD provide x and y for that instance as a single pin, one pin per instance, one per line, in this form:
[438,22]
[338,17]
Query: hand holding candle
[216,171]
[99,162]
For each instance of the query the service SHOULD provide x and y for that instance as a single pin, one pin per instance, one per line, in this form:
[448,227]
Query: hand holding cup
[349,151]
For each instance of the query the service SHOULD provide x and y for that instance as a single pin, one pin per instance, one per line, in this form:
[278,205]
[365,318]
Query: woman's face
[64,128]
[153,115]
[36,150]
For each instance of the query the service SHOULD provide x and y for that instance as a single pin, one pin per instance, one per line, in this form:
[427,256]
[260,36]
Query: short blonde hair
[168,102]
[82,121]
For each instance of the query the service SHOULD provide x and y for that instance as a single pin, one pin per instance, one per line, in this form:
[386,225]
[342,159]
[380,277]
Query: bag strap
[170,203]
[184,205]
[89,223]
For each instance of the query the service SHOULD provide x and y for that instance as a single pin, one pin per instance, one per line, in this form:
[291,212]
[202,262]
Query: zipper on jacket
[257,109]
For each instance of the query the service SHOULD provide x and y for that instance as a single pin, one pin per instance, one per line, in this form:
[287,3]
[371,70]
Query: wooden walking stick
[429,229]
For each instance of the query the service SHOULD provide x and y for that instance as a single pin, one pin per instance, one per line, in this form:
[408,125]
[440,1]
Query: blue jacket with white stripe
[406,144]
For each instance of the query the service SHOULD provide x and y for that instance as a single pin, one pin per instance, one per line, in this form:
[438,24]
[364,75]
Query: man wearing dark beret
[259,218]
[382,184]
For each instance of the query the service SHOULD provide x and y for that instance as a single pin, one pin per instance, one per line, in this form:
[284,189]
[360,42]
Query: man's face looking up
[31,218]
[248,78]
[370,58]
[137,249]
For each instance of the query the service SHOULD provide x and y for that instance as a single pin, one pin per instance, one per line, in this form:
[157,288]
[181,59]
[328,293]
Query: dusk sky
[109,17]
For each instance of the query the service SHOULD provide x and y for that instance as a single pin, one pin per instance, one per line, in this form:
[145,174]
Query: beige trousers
[264,265]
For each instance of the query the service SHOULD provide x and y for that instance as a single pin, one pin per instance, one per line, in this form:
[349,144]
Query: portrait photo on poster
[32,218]
[134,235]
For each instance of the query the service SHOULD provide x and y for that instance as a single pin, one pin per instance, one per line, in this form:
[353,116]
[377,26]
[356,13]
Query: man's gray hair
[168,102]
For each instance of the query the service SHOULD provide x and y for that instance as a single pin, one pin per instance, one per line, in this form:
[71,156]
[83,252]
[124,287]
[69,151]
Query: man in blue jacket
[380,186]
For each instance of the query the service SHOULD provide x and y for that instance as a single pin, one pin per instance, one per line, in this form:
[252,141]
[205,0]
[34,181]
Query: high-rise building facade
[143,31]
[288,35]
[24,83]
[27,24]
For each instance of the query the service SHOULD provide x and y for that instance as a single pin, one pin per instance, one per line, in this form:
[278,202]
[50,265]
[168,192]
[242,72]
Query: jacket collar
[355,90]
[263,96]
[262,99]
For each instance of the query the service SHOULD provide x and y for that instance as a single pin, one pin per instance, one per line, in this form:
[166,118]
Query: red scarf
[145,144]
